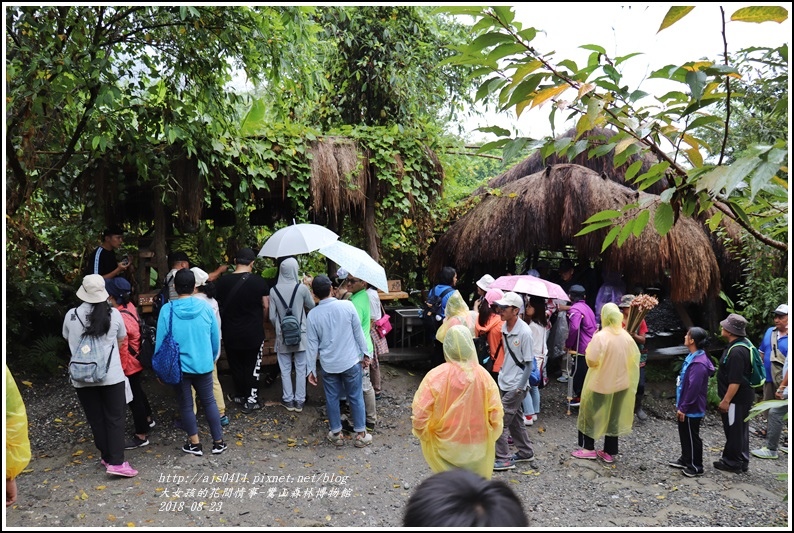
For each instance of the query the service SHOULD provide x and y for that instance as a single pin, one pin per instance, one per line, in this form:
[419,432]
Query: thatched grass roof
[546,209]
[603,164]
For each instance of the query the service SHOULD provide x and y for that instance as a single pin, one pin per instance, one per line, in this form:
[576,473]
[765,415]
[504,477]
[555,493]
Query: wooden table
[396,295]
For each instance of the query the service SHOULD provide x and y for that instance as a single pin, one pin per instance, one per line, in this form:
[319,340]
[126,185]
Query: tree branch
[726,209]
[727,92]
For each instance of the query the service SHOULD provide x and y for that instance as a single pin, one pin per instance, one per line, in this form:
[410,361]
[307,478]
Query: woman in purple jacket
[690,400]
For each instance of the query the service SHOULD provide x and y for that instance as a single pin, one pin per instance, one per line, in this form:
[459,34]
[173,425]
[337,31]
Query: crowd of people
[469,414]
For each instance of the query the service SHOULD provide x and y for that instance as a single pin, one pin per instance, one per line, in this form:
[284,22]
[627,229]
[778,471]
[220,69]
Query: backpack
[161,298]
[88,364]
[148,341]
[757,376]
[165,361]
[483,352]
[290,325]
[432,311]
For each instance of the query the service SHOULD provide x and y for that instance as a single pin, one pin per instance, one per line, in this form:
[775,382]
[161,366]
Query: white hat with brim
[201,276]
[92,290]
[782,309]
[510,299]
[485,282]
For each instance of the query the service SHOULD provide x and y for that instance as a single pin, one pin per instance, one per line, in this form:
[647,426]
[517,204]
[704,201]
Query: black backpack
[484,351]
[290,325]
[433,309]
[161,298]
[148,341]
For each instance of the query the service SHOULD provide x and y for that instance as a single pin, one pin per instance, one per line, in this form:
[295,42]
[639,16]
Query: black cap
[184,281]
[245,256]
[321,282]
[175,257]
[113,230]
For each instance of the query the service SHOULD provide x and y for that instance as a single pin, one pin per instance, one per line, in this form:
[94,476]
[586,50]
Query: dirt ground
[280,472]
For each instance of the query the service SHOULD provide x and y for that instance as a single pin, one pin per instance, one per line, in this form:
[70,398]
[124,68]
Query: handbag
[165,361]
[383,324]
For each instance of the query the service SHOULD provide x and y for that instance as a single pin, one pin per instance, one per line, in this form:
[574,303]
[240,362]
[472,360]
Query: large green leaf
[760,14]
[663,218]
[674,14]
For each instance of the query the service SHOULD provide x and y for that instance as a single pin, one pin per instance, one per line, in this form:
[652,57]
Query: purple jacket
[692,384]
[580,317]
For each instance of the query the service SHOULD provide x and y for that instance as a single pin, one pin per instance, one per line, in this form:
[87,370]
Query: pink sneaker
[103,463]
[605,457]
[124,470]
[584,454]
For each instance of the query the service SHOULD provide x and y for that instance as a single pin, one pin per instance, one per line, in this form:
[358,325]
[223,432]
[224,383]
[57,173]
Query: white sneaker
[528,420]
[563,379]
[535,417]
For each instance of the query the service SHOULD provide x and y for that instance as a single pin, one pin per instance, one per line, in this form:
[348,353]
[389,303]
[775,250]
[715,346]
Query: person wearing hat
[581,328]
[489,323]
[483,284]
[514,383]
[119,291]
[104,261]
[737,396]
[342,292]
[774,348]
[104,403]
[639,338]
[205,291]
[244,307]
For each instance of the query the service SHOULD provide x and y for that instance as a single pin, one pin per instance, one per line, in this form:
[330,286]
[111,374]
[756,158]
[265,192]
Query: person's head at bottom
[460,498]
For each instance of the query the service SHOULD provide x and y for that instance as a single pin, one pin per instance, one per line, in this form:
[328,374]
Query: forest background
[136,85]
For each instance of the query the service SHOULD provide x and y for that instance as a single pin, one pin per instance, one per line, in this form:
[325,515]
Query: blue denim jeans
[345,384]
[203,385]
[531,403]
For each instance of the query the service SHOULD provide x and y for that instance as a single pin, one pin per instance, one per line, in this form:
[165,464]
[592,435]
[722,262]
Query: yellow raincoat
[457,410]
[456,313]
[613,362]
[17,442]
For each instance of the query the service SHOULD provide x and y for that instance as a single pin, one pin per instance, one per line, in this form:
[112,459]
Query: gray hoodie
[287,279]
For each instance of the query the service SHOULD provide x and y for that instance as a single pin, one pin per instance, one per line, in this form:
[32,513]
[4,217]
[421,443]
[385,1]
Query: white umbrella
[297,239]
[357,262]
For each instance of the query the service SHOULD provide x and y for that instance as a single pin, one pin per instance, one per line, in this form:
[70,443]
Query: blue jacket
[766,349]
[692,384]
[195,330]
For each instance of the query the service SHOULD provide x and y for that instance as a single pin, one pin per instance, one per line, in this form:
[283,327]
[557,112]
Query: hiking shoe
[239,400]
[575,402]
[136,442]
[783,449]
[528,420]
[298,406]
[219,447]
[152,423]
[642,415]
[691,472]
[378,395]
[123,470]
[289,406]
[584,454]
[563,379]
[224,421]
[347,426]
[504,464]
[369,426]
[719,465]
[765,453]
[676,464]
[195,449]
[608,459]
[364,441]
[103,463]
[336,438]
[521,459]
[249,408]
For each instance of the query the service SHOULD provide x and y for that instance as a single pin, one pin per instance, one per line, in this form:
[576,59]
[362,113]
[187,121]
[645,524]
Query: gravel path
[279,471]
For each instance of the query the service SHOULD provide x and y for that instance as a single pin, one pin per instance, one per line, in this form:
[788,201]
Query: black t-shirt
[242,315]
[735,368]
[101,262]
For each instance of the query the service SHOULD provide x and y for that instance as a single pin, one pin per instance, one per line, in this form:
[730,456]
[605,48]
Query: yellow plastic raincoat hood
[613,361]
[457,410]
[456,313]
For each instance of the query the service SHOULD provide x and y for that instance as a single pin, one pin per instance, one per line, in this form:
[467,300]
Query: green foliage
[44,357]
[512,70]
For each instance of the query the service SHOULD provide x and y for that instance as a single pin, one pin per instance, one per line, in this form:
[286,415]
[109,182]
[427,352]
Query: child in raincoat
[457,410]
[456,313]
[607,407]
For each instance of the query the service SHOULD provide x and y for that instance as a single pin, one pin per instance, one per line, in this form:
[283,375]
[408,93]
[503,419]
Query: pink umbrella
[527,284]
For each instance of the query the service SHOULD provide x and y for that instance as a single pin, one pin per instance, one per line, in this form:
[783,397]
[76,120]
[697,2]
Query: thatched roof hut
[546,209]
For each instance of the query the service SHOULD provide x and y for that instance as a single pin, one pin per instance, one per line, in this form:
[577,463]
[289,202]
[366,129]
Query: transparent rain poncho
[457,410]
[456,313]
[17,443]
[613,361]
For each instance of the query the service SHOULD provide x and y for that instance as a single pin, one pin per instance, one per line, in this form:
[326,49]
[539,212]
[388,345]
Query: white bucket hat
[201,276]
[92,290]
[485,282]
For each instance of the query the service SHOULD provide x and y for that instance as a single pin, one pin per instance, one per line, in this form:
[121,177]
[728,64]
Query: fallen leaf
[159,489]
[27,471]
[112,518]
[130,524]
[101,487]
[528,472]
[69,414]
[396,486]
[77,453]
[81,516]
[307,465]
[239,435]
[58,420]
[411,374]
[327,518]
[290,439]
[239,443]
[661,497]
[28,383]
[514,481]
[290,444]
[275,436]
[82,496]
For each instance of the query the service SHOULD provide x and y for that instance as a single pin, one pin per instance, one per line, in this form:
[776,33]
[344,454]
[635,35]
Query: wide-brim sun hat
[92,289]
[735,324]
[485,282]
